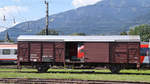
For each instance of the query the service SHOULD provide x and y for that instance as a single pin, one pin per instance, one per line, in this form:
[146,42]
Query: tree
[78,34]
[142,30]
[50,32]
[7,38]
[124,33]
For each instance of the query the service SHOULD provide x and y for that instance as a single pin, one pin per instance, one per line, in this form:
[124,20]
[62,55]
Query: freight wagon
[115,52]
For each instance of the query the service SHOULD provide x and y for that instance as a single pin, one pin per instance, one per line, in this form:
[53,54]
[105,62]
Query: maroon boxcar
[115,52]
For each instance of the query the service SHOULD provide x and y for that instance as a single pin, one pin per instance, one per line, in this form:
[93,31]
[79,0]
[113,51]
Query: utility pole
[47,13]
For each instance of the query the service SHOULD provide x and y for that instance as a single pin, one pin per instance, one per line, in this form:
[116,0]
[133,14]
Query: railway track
[62,81]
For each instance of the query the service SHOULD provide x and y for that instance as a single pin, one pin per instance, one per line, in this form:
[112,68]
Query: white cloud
[79,3]
[10,11]
[15,23]
[2,28]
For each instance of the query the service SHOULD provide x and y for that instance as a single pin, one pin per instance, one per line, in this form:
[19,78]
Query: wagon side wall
[96,52]
[41,52]
[59,52]
[125,52]
[23,52]
[112,52]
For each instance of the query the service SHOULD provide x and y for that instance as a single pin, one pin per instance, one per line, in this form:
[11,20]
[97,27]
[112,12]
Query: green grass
[126,75]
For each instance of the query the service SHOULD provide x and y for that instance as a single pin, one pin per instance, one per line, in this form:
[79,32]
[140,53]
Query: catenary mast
[47,17]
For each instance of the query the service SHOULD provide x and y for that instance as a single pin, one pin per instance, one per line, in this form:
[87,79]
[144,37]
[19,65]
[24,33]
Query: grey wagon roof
[60,38]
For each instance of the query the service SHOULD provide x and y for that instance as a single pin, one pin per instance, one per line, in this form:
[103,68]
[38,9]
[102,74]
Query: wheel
[42,69]
[115,68]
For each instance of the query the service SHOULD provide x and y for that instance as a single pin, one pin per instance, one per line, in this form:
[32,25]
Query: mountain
[2,28]
[106,17]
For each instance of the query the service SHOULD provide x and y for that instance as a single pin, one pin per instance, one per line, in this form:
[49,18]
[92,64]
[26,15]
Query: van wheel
[42,69]
[115,68]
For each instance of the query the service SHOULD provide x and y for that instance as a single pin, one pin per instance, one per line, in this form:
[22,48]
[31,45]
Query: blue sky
[25,10]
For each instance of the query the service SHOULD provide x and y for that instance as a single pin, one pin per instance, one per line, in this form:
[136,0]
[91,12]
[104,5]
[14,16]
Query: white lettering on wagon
[33,56]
